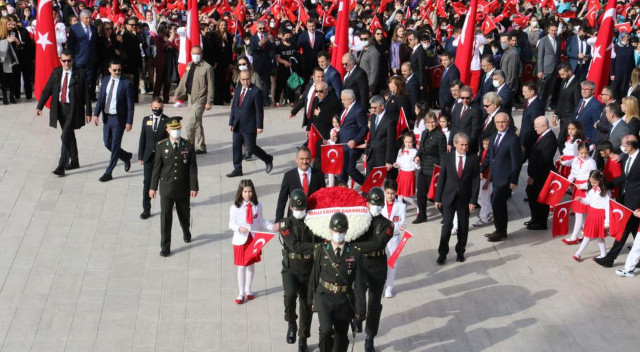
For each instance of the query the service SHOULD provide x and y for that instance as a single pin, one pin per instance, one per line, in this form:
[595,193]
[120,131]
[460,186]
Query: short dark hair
[612,92]
[390,184]
[447,54]
[531,86]
[317,69]
[633,143]
[605,145]
[245,183]
[458,83]
[615,109]
[157,100]
[565,66]
[66,52]
[324,54]
[114,62]
[488,58]
[303,149]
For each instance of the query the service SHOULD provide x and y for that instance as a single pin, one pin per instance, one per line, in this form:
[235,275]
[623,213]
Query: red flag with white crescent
[314,137]
[435,75]
[561,219]
[374,179]
[46,47]
[601,53]
[554,189]
[624,27]
[240,11]
[342,37]
[193,36]
[394,257]
[402,124]
[260,239]
[464,53]
[618,217]
[332,159]
[488,25]
[434,182]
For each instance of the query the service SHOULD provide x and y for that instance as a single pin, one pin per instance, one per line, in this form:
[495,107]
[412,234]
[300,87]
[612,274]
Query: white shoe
[388,293]
[178,104]
[479,223]
[624,273]
[143,91]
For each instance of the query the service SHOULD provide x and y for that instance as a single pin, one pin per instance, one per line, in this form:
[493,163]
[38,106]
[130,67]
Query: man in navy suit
[449,75]
[353,129]
[486,82]
[504,91]
[261,49]
[532,109]
[579,53]
[115,103]
[588,110]
[331,75]
[412,84]
[311,42]
[504,159]
[246,122]
[82,42]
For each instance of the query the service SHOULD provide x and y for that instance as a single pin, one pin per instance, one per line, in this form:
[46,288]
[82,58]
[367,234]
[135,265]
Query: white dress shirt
[114,101]
[238,218]
[308,172]
[68,82]
[630,160]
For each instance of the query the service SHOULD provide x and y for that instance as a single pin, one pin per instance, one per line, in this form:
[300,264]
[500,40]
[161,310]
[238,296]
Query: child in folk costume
[581,168]
[612,168]
[421,111]
[333,139]
[484,197]
[407,166]
[597,223]
[575,136]
[395,211]
[245,215]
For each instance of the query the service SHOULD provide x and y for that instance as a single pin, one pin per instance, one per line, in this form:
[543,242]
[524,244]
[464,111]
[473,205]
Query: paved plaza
[79,270]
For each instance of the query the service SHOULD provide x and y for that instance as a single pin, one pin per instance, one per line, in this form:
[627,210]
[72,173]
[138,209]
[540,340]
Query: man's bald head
[502,121]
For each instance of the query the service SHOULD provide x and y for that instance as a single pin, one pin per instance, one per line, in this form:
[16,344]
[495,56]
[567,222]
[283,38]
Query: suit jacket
[504,161]
[486,86]
[445,98]
[413,87]
[82,47]
[124,100]
[329,107]
[433,145]
[573,49]
[469,123]
[629,184]
[149,139]
[202,90]
[303,102]
[26,52]
[418,60]
[248,117]
[291,182]
[309,54]
[381,147]
[617,133]
[369,61]
[512,67]
[261,54]
[548,58]
[541,157]
[78,97]
[358,82]
[464,189]
[528,135]
[354,126]
[506,93]
[333,79]
[568,100]
[588,116]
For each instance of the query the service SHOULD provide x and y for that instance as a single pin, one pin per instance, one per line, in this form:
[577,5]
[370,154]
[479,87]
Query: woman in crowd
[399,51]
[164,41]
[8,59]
[399,99]
[224,56]
[630,109]
[108,47]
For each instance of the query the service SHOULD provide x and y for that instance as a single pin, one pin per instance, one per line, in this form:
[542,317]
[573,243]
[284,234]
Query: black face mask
[157,112]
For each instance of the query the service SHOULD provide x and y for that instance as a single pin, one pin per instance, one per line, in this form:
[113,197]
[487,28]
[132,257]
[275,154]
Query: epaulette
[162,141]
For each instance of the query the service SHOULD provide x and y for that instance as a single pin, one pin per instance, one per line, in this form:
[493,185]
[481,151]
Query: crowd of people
[395,100]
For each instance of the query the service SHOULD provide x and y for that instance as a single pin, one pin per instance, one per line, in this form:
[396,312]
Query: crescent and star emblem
[618,211]
[374,177]
[559,186]
[333,159]
[562,216]
[255,245]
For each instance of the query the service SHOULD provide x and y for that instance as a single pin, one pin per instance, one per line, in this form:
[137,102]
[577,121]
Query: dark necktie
[63,94]
[189,81]
[460,167]
[464,108]
[581,107]
[155,123]
[497,143]
[175,147]
[338,252]
[107,105]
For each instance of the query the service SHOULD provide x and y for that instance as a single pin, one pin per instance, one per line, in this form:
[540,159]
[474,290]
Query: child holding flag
[394,212]
[581,168]
[575,136]
[407,166]
[597,222]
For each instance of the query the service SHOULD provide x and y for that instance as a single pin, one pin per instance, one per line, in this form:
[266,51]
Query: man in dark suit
[25,51]
[356,80]
[543,149]
[246,122]
[115,103]
[589,109]
[418,59]
[82,42]
[629,183]
[603,126]
[548,59]
[504,159]
[353,129]
[303,177]
[381,147]
[305,102]
[70,109]
[532,109]
[457,192]
[467,119]
[131,51]
[486,81]
[331,75]
[579,53]
[325,107]
[504,91]
[412,85]
[567,101]
[311,42]
[491,105]
[449,75]
[261,49]
[153,130]
[455,103]
[619,128]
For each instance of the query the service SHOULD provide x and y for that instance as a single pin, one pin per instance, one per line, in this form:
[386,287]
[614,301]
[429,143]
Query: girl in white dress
[406,170]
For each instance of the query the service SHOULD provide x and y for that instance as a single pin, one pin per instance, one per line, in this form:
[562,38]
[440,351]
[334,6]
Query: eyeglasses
[345,64]
[65,61]
[107,28]
[261,29]
[378,33]
[364,39]
[320,91]
[586,89]
[465,98]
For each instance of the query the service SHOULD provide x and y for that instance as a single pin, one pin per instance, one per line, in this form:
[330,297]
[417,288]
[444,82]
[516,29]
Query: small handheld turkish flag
[561,219]
[332,159]
[554,189]
[374,179]
[402,124]
[394,257]
[260,239]
[434,182]
[618,217]
[488,25]
[314,137]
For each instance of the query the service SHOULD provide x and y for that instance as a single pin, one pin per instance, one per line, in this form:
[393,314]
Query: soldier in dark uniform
[374,262]
[337,287]
[153,130]
[298,242]
[176,170]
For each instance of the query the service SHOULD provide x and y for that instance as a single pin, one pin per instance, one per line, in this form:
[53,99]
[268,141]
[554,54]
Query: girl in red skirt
[575,136]
[597,223]
[407,166]
[245,215]
[581,168]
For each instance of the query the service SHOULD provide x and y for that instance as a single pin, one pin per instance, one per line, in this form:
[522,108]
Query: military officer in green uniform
[176,170]
[298,242]
[374,262]
[337,287]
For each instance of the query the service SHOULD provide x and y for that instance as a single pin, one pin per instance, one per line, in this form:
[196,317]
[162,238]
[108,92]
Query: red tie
[344,114]
[526,105]
[581,107]
[460,167]
[249,213]
[241,97]
[310,103]
[305,183]
[63,94]
[389,208]
[539,138]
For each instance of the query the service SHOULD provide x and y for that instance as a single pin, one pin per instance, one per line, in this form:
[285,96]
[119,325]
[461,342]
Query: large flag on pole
[464,53]
[46,47]
[342,37]
[601,62]
[192,36]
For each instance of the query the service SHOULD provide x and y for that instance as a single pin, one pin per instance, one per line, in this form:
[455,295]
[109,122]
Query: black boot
[5,98]
[302,345]
[291,333]
[368,344]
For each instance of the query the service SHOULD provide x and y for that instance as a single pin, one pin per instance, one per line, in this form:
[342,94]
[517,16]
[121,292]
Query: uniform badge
[184,161]
[285,232]
[149,123]
[166,150]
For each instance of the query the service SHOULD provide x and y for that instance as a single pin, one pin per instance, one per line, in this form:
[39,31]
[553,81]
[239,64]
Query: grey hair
[542,119]
[352,58]
[492,98]
[349,93]
[467,89]
[588,84]
[377,99]
[85,13]
[500,74]
[458,136]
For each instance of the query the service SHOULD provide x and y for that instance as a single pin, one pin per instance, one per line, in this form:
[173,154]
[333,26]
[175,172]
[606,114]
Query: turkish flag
[232,26]
[492,6]
[521,21]
[464,52]
[601,53]
[374,179]
[554,189]
[342,37]
[592,15]
[254,249]
[567,14]
[240,11]
[319,10]
[192,38]
[618,217]
[459,8]
[375,24]
[394,257]
[435,74]
[383,6]
[303,16]
[224,7]
[440,8]
[624,27]
[561,219]
[434,182]
[314,137]
[488,25]
[402,124]
[548,4]
[328,21]
[332,159]
[46,47]
[136,11]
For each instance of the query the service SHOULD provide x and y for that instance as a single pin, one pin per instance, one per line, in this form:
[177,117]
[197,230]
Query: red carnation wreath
[328,201]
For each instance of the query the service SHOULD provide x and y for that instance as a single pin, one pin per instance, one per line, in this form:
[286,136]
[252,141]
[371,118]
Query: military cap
[298,200]
[173,122]
[376,196]
[339,222]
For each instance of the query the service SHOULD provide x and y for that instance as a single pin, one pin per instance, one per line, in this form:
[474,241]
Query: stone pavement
[79,271]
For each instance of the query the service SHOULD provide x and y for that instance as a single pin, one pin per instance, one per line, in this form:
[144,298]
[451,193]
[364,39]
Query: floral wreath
[325,202]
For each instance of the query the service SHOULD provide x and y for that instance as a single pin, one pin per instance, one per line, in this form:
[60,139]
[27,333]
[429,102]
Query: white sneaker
[388,293]
[479,223]
[143,91]
[178,104]
[624,273]
[490,217]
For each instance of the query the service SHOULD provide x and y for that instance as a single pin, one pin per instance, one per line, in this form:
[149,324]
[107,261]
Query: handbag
[294,81]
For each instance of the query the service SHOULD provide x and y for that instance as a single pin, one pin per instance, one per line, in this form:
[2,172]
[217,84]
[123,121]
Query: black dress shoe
[164,253]
[441,259]
[127,165]
[235,173]
[59,171]
[187,238]
[198,152]
[368,344]
[302,345]
[527,223]
[105,178]
[72,166]
[145,215]
[603,262]
[291,333]
[419,220]
[489,234]
[497,237]
[460,258]
[269,166]
[535,226]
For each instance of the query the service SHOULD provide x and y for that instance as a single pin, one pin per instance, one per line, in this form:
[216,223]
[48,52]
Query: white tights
[245,277]
[577,226]
[586,241]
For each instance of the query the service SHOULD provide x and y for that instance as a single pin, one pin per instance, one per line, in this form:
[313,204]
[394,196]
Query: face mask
[534,24]
[278,42]
[496,84]
[338,237]
[375,210]
[175,134]
[425,45]
[196,58]
[623,148]
[157,112]
[314,1]
[495,50]
[299,214]
[272,24]
[243,67]
[504,46]
[415,18]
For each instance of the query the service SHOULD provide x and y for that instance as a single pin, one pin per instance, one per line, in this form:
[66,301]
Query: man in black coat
[486,81]
[418,59]
[412,85]
[353,130]
[261,49]
[303,177]
[467,118]
[381,148]
[305,103]
[542,151]
[355,79]
[449,75]
[457,192]
[70,109]
[26,53]
[153,130]
[567,101]
[325,107]
[132,54]
[533,108]
[311,42]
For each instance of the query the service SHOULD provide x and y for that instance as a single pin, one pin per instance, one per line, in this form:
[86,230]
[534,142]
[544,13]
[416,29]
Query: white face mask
[425,45]
[496,84]
[534,24]
[247,42]
[299,214]
[243,67]
[504,46]
[375,210]
[623,148]
[196,58]
[175,134]
[338,237]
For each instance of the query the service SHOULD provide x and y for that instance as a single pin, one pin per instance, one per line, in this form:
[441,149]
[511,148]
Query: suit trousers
[193,126]
[376,276]
[250,139]
[296,286]
[499,204]
[351,157]
[547,86]
[333,332]
[421,194]
[448,214]
[69,149]
[539,211]
[90,76]
[562,134]
[631,228]
[26,71]
[112,134]
[581,71]
[166,219]
[265,80]
[148,170]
